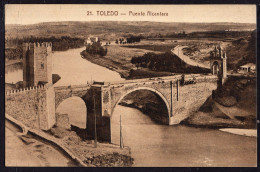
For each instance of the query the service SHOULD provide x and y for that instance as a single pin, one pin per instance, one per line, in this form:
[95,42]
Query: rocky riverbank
[104,155]
[232,106]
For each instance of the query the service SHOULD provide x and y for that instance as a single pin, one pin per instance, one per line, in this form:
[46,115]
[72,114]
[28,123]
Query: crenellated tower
[37,63]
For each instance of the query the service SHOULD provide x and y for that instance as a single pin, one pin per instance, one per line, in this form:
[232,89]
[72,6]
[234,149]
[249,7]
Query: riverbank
[232,106]
[80,150]
[107,63]
[103,155]
[124,72]
[118,59]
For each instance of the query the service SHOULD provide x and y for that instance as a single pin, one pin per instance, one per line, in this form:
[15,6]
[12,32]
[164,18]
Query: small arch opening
[76,110]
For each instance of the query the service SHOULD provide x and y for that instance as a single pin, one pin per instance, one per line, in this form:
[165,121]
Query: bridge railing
[166,78]
[73,86]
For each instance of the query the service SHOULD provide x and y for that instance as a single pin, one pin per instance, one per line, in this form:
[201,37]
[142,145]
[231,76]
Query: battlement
[28,46]
[24,90]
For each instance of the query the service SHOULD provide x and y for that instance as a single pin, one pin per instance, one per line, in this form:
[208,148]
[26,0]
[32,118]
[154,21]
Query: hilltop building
[91,40]
[37,63]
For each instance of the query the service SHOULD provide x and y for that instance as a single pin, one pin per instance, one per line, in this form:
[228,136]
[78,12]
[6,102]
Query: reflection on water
[162,145]
[72,69]
[14,73]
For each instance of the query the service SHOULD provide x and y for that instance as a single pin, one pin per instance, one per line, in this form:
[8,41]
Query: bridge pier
[99,113]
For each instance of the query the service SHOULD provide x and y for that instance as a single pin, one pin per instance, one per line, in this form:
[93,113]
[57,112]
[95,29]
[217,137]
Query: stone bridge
[182,95]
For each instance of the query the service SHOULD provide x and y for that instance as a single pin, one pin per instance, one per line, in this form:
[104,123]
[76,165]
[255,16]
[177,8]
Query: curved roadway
[178,52]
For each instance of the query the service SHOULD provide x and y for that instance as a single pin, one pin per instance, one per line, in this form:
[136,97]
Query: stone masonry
[182,95]
[37,63]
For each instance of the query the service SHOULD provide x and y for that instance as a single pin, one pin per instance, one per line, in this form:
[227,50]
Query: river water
[72,69]
[151,144]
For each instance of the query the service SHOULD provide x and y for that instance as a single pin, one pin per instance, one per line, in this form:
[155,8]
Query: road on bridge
[179,52]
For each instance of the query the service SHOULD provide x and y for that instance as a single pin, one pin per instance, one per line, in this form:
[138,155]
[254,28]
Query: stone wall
[191,97]
[179,99]
[29,106]
[36,107]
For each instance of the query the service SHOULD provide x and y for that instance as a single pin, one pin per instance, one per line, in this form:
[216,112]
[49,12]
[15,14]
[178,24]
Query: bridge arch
[76,108]
[116,117]
[143,88]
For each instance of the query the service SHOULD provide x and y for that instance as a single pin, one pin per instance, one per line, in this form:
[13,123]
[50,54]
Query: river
[153,144]
[179,146]
[72,69]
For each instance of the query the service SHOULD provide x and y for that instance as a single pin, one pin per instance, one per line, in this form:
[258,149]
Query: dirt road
[178,52]
[25,151]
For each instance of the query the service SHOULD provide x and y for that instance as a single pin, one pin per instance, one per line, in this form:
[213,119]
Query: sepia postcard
[130,85]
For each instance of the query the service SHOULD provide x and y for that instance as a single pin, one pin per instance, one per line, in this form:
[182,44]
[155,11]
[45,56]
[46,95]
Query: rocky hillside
[242,51]
[233,105]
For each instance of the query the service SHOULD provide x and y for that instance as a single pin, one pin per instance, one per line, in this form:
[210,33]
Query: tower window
[42,66]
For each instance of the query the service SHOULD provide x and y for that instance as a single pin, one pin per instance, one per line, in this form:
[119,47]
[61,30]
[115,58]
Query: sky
[37,13]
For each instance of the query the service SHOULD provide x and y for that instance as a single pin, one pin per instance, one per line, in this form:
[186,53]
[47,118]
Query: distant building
[91,40]
[249,67]
[37,63]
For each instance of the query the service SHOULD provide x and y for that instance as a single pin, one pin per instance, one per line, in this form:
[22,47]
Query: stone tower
[218,62]
[37,63]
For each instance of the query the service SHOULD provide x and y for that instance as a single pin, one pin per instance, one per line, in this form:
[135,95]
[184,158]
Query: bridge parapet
[72,87]
[156,80]
[24,90]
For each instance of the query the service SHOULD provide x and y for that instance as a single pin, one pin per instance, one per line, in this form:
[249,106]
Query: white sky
[31,14]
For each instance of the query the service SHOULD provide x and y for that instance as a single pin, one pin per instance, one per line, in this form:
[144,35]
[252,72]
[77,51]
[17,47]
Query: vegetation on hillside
[14,50]
[166,62]
[232,105]
[14,53]
[110,30]
[154,47]
[96,49]
[242,51]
